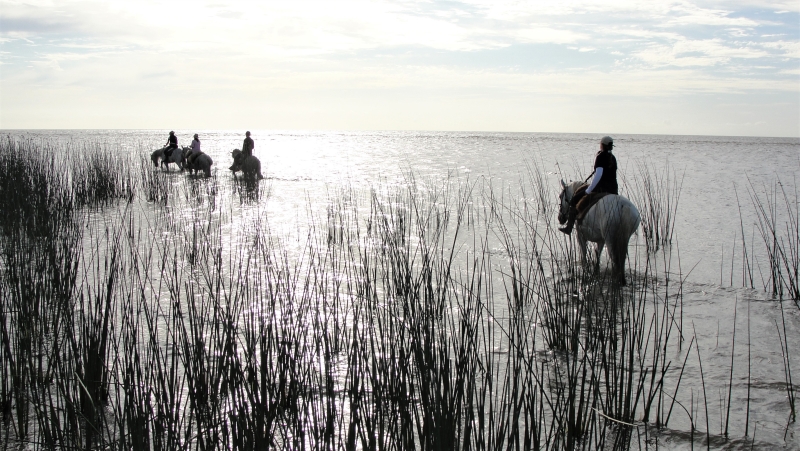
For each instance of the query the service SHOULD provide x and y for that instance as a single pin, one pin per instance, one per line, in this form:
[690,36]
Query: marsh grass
[439,315]
[777,223]
[775,263]
[656,191]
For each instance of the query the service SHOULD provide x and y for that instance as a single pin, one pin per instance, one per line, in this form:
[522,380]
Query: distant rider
[248,146]
[195,149]
[172,144]
[247,151]
[604,181]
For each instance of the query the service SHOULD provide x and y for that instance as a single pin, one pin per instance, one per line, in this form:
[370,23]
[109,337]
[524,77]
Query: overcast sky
[671,67]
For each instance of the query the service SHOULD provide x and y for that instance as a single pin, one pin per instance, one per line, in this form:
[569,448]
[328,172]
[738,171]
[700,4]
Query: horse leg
[583,250]
[617,252]
[623,253]
[597,252]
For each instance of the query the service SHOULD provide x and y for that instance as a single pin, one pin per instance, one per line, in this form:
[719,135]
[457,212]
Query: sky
[694,67]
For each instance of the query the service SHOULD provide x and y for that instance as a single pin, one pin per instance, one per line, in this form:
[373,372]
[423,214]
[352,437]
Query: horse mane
[572,187]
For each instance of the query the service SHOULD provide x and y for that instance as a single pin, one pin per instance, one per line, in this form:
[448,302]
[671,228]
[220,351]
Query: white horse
[177,157]
[610,222]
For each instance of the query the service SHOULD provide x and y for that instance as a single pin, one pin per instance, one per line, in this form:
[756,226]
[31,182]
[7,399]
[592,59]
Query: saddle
[193,156]
[585,204]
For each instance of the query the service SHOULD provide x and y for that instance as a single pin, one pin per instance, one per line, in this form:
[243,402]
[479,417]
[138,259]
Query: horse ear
[563,183]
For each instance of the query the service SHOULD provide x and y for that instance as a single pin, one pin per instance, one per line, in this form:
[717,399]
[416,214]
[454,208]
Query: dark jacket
[608,181]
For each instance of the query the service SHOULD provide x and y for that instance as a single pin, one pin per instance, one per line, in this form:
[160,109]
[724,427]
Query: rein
[567,196]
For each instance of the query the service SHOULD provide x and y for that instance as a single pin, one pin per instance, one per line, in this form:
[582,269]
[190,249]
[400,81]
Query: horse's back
[614,216]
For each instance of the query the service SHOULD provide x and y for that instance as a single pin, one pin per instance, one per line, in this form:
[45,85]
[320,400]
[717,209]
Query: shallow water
[303,167]
[305,171]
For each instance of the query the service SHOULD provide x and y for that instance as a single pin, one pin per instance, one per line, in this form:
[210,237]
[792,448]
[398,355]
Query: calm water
[302,167]
[304,170]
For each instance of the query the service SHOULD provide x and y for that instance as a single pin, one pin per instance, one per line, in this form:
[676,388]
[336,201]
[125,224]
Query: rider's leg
[571,215]
[573,211]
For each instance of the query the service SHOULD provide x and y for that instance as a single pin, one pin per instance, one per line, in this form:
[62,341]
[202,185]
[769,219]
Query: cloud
[787,49]
[509,48]
[685,13]
[158,75]
[34,26]
[706,52]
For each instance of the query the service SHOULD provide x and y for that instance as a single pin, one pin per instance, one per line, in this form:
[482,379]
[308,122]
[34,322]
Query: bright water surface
[300,166]
[304,169]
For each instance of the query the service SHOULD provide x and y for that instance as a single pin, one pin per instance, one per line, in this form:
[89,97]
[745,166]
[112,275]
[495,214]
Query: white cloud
[788,49]
[685,13]
[538,34]
[152,48]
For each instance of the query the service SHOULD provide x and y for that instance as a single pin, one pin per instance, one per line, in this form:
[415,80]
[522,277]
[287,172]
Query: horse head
[563,201]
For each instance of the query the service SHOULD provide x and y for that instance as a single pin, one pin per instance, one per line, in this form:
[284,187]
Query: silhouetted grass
[438,315]
[777,214]
[656,193]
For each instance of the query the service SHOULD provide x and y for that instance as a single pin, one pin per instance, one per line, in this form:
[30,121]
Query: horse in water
[610,222]
[202,162]
[177,157]
[249,165]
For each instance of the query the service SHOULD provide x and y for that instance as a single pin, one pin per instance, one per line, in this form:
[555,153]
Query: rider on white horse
[604,181]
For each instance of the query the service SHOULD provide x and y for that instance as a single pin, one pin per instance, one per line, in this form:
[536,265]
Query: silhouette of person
[247,145]
[172,144]
[195,149]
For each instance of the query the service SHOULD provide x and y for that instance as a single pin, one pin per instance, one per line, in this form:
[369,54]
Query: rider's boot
[571,215]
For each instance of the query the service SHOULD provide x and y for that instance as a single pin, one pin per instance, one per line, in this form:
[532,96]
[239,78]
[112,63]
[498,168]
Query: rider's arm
[598,174]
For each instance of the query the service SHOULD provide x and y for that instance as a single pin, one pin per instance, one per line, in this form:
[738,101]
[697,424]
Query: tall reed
[656,191]
[433,315]
[777,222]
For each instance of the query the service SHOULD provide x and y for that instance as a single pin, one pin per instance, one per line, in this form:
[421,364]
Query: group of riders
[172,143]
[604,176]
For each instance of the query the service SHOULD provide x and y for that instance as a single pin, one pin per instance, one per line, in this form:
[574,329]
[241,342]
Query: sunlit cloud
[279,51]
